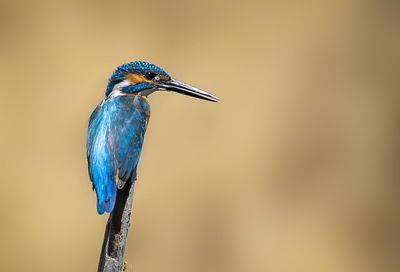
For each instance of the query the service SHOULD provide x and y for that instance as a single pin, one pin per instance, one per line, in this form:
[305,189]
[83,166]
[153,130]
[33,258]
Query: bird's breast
[147,110]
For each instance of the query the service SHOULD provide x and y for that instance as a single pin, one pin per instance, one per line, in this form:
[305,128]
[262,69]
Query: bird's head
[143,77]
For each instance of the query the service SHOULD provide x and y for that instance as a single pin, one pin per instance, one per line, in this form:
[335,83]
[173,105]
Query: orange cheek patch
[135,78]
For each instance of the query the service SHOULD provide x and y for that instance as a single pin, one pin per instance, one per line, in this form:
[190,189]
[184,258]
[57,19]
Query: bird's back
[115,138]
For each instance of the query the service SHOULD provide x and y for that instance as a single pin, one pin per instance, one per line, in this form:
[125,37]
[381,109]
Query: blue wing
[114,143]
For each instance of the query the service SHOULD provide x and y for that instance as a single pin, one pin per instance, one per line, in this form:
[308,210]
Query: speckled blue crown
[130,68]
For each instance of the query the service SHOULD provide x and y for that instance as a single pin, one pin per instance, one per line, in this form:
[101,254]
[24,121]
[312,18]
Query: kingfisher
[118,124]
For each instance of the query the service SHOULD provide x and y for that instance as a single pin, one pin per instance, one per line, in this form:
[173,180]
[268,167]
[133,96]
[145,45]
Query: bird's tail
[106,196]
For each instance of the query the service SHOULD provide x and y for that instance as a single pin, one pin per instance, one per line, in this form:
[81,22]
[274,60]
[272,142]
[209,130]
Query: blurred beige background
[295,169]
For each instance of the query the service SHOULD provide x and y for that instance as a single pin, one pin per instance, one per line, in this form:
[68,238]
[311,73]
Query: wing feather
[115,139]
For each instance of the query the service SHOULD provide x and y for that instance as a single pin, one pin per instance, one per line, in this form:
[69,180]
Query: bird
[118,124]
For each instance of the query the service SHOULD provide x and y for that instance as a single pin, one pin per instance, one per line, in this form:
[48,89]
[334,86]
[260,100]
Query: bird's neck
[117,92]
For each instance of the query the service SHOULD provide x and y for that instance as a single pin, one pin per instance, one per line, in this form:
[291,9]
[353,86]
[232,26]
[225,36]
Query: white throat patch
[116,91]
[122,84]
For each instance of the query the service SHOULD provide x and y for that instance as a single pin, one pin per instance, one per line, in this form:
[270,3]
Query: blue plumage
[115,138]
[137,87]
[117,127]
[132,67]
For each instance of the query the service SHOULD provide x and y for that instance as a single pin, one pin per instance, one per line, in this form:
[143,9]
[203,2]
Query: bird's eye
[149,75]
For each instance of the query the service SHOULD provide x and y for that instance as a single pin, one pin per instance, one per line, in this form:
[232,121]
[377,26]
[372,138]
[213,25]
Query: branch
[113,249]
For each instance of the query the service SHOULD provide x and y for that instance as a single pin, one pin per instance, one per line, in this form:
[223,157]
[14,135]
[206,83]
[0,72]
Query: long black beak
[186,89]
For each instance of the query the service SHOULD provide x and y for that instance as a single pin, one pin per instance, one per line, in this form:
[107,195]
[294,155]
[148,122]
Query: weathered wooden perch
[115,236]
